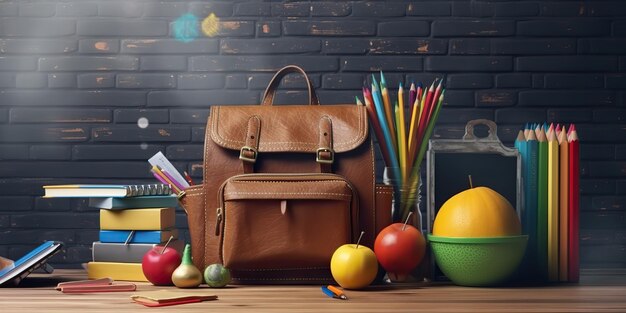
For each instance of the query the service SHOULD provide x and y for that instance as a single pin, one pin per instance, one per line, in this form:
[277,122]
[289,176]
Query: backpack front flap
[290,128]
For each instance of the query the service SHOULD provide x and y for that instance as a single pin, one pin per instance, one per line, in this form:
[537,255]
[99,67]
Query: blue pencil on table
[333,294]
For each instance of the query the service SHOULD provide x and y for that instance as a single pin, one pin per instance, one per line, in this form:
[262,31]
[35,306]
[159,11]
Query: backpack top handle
[270,91]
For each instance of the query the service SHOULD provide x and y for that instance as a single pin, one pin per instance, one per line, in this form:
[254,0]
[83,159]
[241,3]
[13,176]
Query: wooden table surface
[598,291]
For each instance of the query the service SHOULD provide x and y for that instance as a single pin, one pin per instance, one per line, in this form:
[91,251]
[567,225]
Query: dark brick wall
[76,75]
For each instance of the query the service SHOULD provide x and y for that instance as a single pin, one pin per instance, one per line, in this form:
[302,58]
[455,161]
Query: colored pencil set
[551,174]
[403,133]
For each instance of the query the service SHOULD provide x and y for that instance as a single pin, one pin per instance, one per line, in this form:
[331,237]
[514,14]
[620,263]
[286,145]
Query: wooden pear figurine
[187,275]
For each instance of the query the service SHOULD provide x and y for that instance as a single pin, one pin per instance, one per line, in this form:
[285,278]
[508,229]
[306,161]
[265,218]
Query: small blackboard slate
[487,160]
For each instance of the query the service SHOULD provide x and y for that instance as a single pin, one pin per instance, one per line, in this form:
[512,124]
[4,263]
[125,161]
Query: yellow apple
[354,266]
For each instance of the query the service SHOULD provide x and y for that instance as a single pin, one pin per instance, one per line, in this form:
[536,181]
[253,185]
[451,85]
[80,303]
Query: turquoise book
[111,203]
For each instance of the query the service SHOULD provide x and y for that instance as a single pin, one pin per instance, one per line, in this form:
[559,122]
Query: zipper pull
[218,223]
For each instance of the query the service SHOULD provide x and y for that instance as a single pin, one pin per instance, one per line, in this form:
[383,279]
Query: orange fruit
[477,212]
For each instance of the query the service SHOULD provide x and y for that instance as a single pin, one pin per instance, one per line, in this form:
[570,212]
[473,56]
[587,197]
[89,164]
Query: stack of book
[551,171]
[133,220]
[130,227]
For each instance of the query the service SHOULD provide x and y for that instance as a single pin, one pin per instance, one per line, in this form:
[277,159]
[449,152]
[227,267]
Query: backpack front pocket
[285,221]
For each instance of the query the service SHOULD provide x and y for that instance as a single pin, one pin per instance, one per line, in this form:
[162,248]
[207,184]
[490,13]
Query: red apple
[159,263]
[399,248]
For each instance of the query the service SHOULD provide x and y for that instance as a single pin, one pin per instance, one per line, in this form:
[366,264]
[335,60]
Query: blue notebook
[139,236]
[36,258]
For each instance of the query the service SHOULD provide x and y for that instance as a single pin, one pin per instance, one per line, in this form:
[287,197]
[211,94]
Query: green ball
[216,275]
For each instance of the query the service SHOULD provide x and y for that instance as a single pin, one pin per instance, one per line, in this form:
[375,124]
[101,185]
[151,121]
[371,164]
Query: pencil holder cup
[406,199]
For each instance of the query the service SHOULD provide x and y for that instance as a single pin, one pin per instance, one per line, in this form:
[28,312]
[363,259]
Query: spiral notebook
[105,191]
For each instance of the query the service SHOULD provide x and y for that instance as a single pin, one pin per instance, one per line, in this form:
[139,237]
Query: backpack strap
[250,151]
[325,155]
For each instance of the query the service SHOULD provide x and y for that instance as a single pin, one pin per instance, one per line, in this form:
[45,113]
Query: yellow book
[553,205]
[138,219]
[563,204]
[116,271]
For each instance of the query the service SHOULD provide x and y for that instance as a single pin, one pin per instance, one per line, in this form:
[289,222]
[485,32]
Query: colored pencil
[435,99]
[414,120]
[358,101]
[415,173]
[371,112]
[553,204]
[420,123]
[563,203]
[425,111]
[386,130]
[521,146]
[402,143]
[526,131]
[403,149]
[367,96]
[542,204]
[573,205]
[384,92]
[428,133]
[531,171]
[412,96]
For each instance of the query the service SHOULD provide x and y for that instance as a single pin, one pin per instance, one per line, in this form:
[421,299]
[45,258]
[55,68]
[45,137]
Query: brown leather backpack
[284,187]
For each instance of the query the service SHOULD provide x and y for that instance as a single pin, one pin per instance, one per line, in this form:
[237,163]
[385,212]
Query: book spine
[137,219]
[116,271]
[134,202]
[131,253]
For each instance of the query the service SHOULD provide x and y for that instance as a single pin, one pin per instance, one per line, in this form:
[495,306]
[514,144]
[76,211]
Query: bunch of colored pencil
[550,164]
[403,133]
[167,178]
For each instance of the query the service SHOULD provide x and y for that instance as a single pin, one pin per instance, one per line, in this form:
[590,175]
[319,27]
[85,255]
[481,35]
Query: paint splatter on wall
[211,25]
[186,28]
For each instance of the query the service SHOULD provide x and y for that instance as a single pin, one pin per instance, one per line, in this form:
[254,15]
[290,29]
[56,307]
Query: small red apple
[399,248]
[159,263]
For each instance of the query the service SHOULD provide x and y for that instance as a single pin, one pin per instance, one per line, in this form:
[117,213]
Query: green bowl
[483,261]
